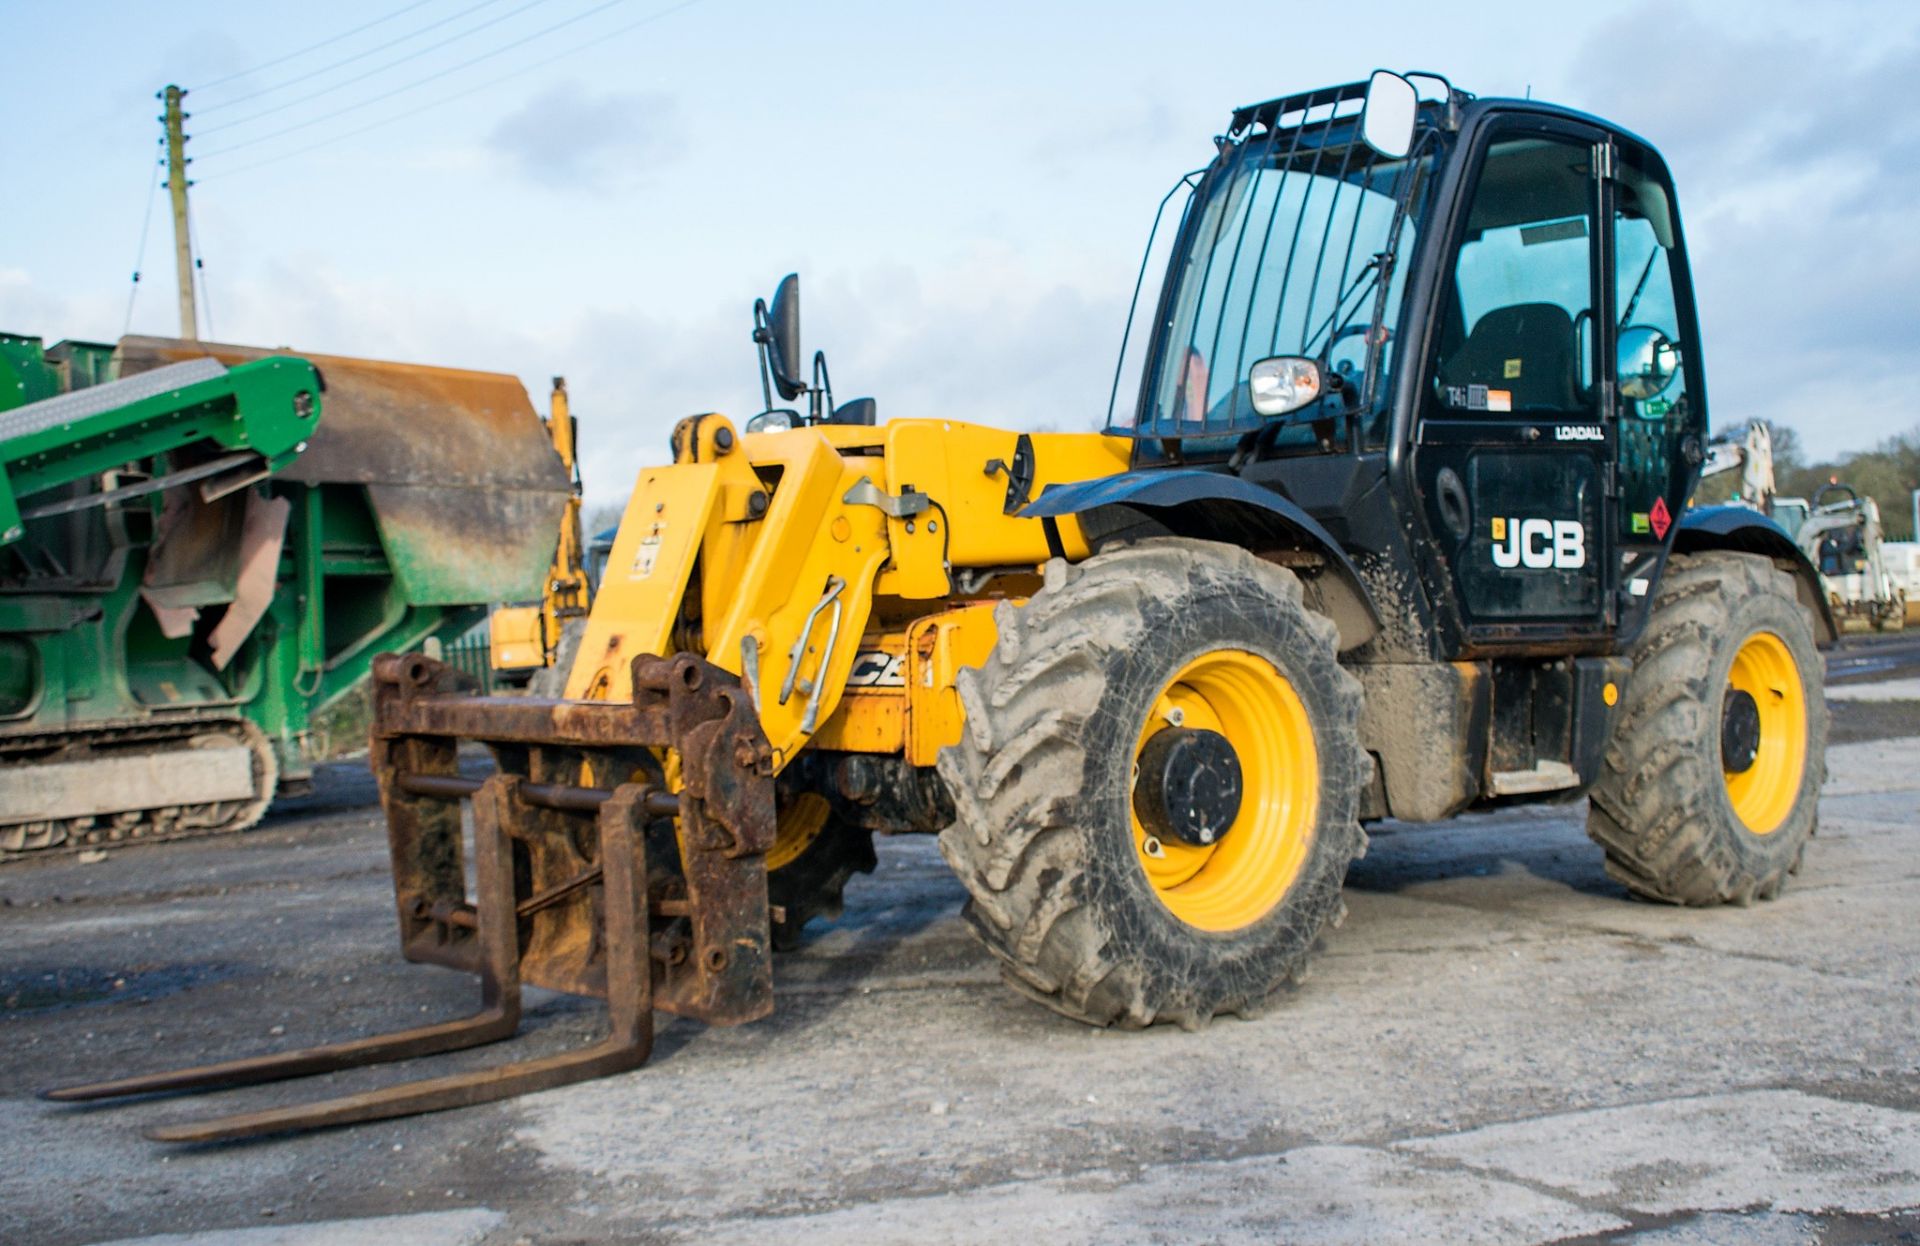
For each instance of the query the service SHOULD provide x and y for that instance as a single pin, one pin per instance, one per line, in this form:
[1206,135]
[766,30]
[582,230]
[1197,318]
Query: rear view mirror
[1648,362]
[782,338]
[1386,122]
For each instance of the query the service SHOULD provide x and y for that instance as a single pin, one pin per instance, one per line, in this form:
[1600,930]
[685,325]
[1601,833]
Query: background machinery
[1839,530]
[533,643]
[1749,451]
[203,547]
[1903,562]
[1395,526]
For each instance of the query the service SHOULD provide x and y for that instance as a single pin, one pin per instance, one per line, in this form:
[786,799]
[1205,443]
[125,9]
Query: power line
[313,47]
[376,70]
[357,56]
[140,257]
[200,271]
[459,95]
[433,77]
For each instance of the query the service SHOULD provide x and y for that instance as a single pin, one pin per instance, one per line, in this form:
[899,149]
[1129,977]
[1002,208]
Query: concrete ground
[1497,1046]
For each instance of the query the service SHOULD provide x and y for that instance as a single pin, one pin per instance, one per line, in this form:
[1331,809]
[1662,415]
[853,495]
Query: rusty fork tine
[459,1090]
[613,1054]
[629,996]
[488,1026]
[498,1018]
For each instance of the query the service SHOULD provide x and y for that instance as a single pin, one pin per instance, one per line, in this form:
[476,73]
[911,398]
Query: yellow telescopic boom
[527,637]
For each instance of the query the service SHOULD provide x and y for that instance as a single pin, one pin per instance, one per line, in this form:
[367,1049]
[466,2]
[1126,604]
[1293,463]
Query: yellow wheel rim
[1238,879]
[800,823]
[1763,794]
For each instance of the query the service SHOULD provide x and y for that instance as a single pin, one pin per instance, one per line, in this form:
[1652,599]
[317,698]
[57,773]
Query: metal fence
[472,655]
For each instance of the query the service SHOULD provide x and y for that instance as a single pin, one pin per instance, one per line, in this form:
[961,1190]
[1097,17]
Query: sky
[601,188]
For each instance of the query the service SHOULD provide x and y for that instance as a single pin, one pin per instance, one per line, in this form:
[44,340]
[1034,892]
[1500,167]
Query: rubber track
[13,751]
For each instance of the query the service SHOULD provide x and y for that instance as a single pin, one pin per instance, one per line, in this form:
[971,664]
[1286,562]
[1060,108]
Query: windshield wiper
[1639,288]
[1371,272]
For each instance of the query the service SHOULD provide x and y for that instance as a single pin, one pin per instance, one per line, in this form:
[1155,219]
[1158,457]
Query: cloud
[28,307]
[980,336]
[1798,164]
[983,338]
[983,334]
[571,140]
[1091,135]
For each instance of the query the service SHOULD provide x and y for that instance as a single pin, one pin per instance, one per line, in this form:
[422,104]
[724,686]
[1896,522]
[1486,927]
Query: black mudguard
[1747,531]
[1216,507]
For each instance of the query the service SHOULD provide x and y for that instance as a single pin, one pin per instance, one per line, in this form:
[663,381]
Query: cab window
[1656,411]
[1518,332]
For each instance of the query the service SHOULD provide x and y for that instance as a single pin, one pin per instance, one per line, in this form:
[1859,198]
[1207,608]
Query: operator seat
[1528,349]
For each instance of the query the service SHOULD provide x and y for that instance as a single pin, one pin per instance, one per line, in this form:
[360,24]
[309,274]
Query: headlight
[1283,383]
[772,422]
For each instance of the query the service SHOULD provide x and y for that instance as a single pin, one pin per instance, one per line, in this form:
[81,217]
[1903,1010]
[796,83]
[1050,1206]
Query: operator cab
[1458,333]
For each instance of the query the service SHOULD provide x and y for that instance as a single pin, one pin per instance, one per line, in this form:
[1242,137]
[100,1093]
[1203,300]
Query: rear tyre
[1710,786]
[1087,912]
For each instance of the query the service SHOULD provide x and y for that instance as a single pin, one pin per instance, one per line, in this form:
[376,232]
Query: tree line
[1888,473]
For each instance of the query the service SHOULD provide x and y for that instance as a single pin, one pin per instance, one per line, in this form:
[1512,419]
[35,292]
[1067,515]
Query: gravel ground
[1497,1046]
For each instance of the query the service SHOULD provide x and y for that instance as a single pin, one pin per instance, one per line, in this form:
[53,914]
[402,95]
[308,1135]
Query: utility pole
[177,190]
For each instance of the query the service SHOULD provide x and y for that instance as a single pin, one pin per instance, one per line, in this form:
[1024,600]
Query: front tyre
[1157,786]
[1709,789]
[814,856]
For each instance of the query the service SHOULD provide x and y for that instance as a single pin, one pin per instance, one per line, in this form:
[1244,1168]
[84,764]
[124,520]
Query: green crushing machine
[202,548]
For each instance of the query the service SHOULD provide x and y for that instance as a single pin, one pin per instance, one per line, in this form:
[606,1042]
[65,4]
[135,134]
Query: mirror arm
[763,337]
[822,388]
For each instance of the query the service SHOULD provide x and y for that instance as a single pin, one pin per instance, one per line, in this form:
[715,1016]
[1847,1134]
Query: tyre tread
[1654,809]
[1014,842]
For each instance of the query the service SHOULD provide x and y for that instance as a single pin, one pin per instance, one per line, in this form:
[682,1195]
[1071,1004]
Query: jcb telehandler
[1394,528]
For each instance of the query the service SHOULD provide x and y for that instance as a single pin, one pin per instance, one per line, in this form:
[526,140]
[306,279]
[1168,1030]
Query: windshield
[1283,251]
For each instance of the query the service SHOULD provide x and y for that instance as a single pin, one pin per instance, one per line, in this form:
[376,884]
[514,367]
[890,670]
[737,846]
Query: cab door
[1658,388]
[1512,446]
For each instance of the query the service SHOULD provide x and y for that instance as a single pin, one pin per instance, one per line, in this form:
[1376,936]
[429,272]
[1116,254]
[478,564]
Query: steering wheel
[1352,330]
[1386,335]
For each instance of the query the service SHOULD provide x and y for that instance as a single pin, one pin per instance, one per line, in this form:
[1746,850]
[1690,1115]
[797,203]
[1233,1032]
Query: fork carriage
[591,878]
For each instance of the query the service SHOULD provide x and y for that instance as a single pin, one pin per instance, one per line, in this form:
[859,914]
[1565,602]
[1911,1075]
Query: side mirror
[782,338]
[1386,122]
[1648,362]
[1283,384]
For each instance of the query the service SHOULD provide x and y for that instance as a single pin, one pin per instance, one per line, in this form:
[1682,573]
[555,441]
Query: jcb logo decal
[876,668]
[1539,544]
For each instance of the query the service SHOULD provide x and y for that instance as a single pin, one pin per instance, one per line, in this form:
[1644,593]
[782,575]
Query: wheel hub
[1189,786]
[1739,731]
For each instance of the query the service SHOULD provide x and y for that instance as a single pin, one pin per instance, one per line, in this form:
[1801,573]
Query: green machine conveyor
[202,548]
